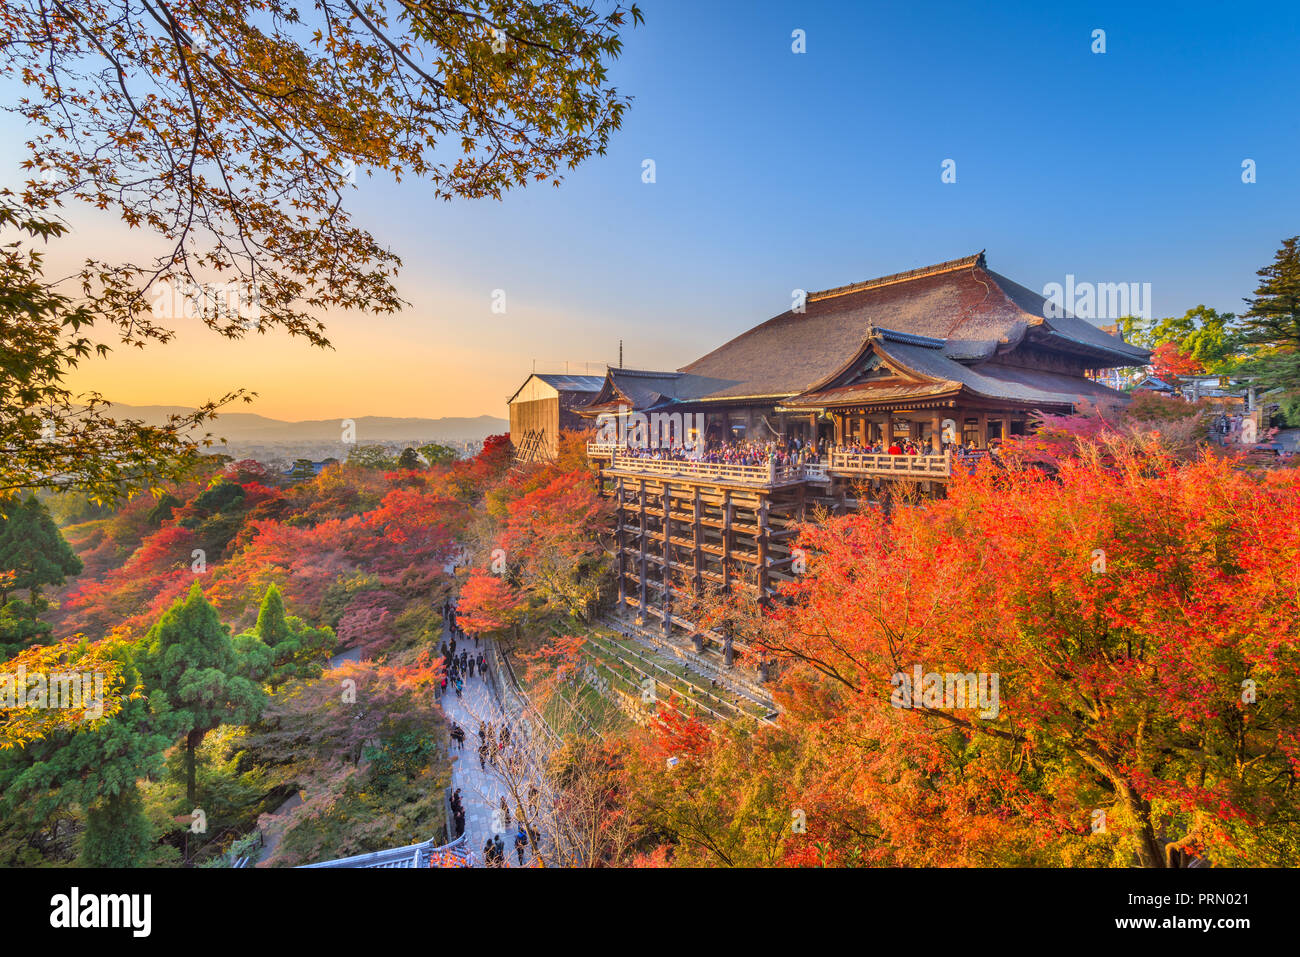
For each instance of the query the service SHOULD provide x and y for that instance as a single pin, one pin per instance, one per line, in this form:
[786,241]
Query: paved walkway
[481,788]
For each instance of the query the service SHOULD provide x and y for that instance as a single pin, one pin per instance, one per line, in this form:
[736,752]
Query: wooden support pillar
[889,430]
[641,550]
[763,528]
[1006,427]
[984,430]
[620,516]
[666,571]
[727,509]
[936,433]
[699,542]
[812,420]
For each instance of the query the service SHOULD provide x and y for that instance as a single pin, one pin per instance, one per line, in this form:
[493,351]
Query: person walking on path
[520,840]
[500,846]
[482,756]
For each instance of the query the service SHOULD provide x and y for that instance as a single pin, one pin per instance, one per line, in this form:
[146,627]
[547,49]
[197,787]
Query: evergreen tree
[437,454]
[408,460]
[372,457]
[1272,324]
[96,767]
[163,509]
[32,553]
[191,662]
[21,626]
[117,832]
[272,628]
[32,548]
[283,647]
[1274,315]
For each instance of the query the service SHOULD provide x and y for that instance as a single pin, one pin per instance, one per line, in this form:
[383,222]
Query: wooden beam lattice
[533,448]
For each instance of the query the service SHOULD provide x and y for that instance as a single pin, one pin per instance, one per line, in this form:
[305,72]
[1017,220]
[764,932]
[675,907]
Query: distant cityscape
[280,456]
[279,444]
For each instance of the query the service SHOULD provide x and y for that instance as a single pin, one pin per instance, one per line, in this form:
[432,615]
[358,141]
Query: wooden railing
[769,473]
[905,466]
[601,449]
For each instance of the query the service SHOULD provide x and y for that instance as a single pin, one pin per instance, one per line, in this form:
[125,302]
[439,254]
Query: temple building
[544,406]
[894,356]
[946,354]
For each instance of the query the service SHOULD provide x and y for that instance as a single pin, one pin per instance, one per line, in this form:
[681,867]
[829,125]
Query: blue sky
[777,171]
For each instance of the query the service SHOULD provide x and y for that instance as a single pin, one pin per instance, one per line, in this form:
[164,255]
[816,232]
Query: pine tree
[117,832]
[1274,315]
[271,625]
[1273,325]
[32,553]
[190,659]
[282,647]
[32,548]
[21,626]
[93,766]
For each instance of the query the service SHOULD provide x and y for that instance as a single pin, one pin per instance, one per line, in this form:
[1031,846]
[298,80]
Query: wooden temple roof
[948,324]
[923,370]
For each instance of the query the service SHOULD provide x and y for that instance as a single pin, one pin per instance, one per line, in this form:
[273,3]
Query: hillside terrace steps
[732,679]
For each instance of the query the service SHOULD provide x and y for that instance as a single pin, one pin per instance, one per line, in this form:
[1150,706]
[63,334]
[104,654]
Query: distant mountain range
[247,427]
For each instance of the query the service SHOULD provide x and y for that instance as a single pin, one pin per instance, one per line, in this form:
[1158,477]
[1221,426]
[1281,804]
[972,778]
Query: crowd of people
[457,668]
[494,849]
[910,447]
[496,747]
[740,452]
[792,453]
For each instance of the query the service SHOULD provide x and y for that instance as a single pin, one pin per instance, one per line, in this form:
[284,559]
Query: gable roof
[960,310]
[640,389]
[924,369]
[976,312]
[563,382]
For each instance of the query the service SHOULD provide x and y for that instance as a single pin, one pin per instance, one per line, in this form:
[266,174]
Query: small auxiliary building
[543,406]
